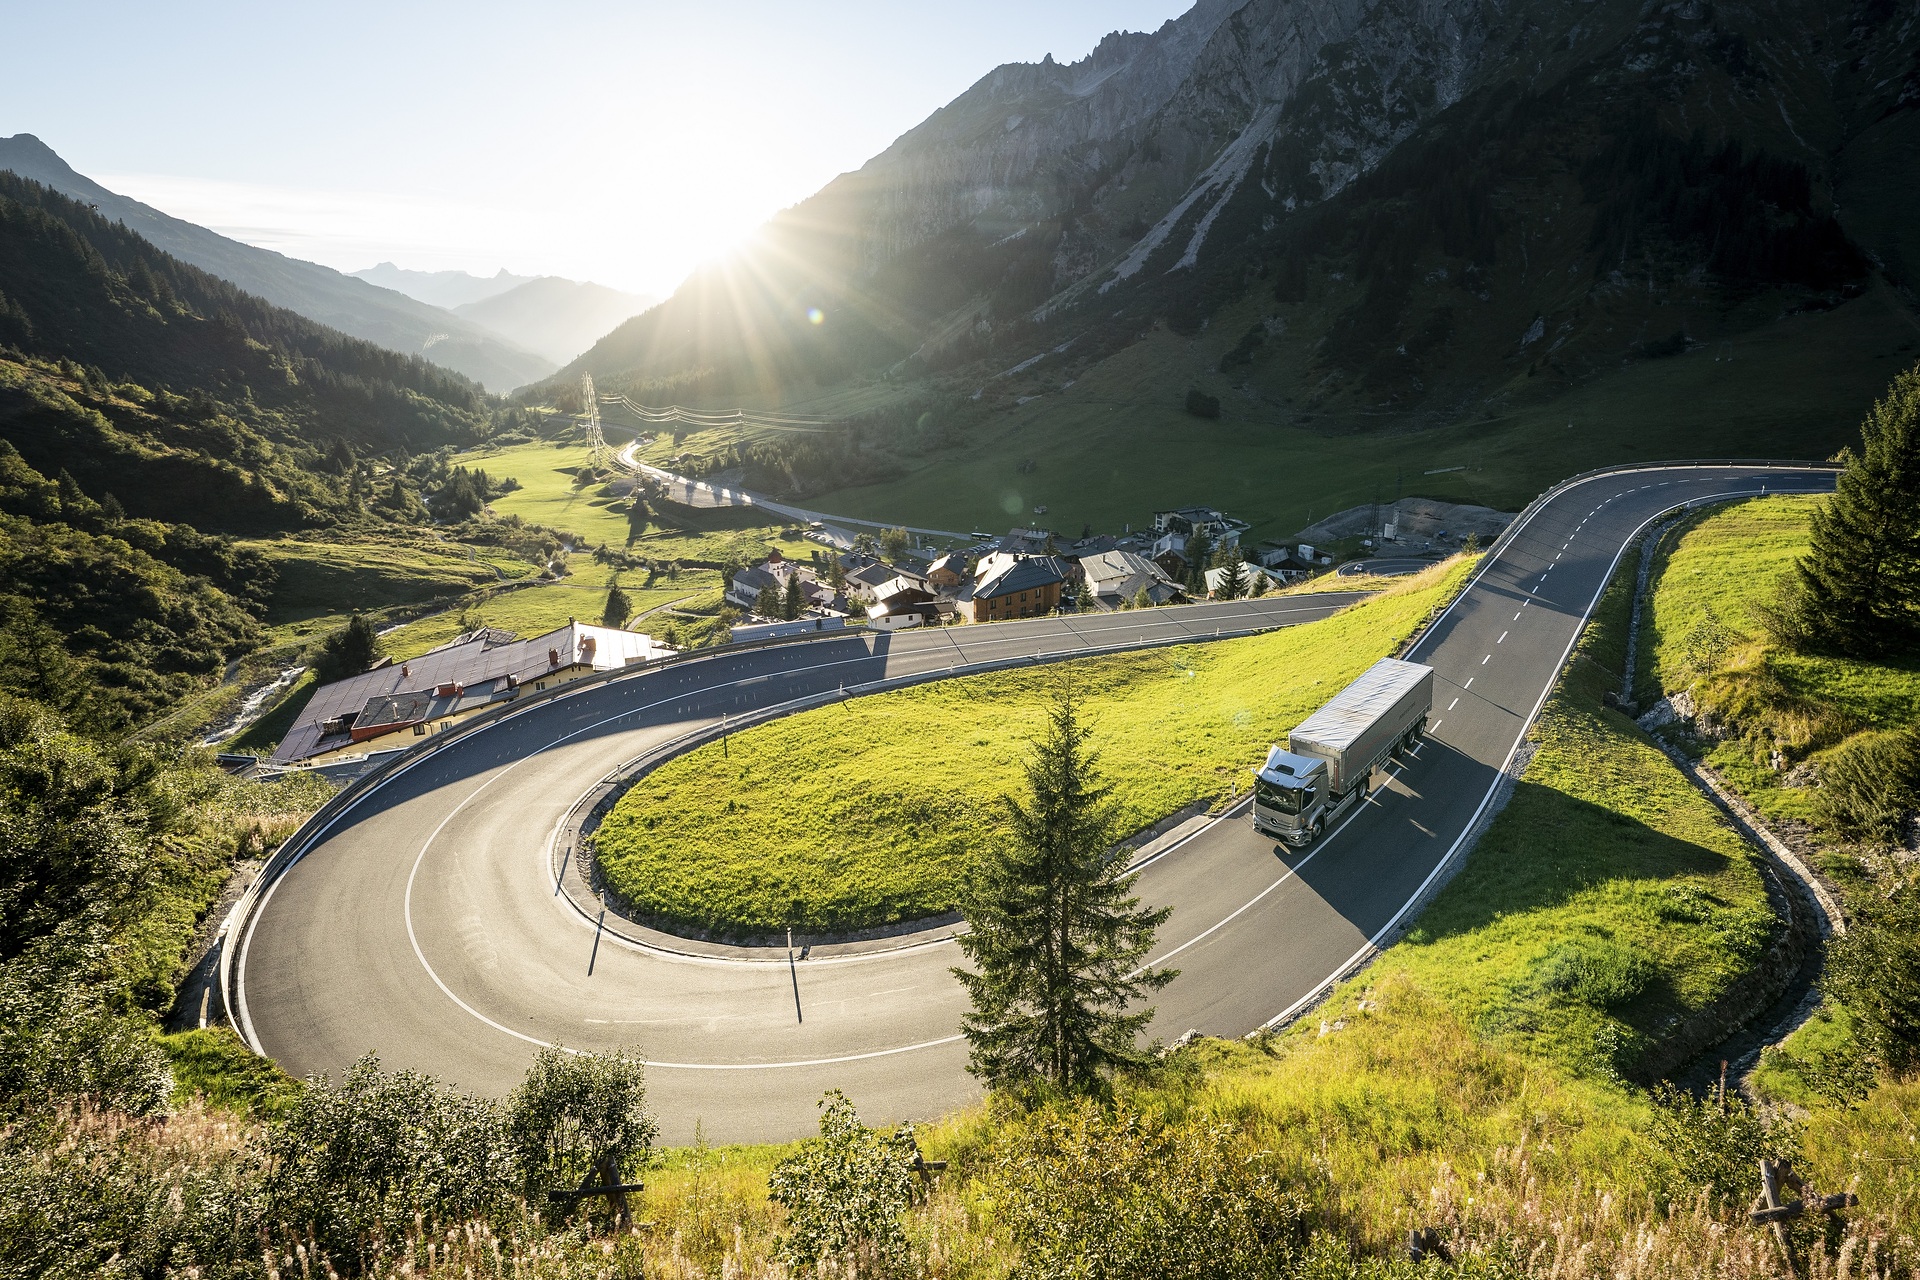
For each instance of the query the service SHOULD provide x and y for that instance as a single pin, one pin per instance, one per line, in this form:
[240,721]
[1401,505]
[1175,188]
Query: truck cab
[1289,796]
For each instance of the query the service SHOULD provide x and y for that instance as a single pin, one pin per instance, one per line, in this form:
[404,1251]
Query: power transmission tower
[599,456]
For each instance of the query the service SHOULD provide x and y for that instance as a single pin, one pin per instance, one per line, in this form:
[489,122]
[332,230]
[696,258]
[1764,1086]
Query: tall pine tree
[1057,939]
[1233,581]
[619,607]
[1199,550]
[1858,586]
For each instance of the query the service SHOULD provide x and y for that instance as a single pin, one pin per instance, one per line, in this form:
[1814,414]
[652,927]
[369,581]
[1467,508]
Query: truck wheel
[1319,826]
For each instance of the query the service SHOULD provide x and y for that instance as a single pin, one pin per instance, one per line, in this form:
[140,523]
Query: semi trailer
[1323,769]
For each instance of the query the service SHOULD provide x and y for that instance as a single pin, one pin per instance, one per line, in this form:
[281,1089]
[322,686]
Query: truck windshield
[1281,799]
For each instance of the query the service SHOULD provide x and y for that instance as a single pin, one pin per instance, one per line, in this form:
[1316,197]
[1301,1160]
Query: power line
[674,413]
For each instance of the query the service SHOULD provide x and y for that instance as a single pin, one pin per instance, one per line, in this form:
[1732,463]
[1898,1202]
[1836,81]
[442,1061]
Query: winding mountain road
[423,923]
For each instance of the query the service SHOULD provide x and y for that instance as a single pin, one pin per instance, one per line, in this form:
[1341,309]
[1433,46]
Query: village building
[1016,587]
[903,602]
[1028,542]
[1116,578]
[1169,551]
[948,572]
[1218,528]
[863,582]
[458,680]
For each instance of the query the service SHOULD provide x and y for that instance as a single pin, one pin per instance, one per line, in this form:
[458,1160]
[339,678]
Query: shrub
[619,607]
[575,1111]
[1869,783]
[358,1164]
[348,651]
[1714,1143]
[1093,1192]
[1874,970]
[844,1191]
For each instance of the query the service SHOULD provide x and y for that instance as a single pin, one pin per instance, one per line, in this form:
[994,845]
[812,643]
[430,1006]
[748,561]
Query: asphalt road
[426,926]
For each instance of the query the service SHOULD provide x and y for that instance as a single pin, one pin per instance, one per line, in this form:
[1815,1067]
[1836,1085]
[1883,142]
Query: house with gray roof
[1116,578]
[460,679]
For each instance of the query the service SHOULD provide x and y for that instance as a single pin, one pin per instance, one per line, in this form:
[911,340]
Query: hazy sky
[620,143]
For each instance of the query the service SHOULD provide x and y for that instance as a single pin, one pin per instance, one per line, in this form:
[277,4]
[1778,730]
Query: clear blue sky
[616,142]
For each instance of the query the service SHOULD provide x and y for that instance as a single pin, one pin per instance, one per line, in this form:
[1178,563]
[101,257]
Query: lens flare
[816,316]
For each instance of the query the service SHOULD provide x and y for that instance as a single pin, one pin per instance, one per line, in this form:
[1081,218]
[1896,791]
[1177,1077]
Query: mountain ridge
[444,289]
[1350,217]
[353,306]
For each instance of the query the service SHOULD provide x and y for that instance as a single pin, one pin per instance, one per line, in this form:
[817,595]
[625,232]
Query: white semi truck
[1323,769]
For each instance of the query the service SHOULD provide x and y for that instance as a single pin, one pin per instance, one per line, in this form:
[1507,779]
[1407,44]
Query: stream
[253,706]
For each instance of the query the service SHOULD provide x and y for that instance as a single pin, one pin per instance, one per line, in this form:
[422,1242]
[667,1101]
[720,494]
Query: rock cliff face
[1172,169]
[1164,128]
[1027,140]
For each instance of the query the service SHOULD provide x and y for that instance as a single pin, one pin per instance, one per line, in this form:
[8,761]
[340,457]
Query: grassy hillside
[549,495]
[1705,635]
[1118,445]
[883,800]
[1608,903]
[326,579]
[1775,724]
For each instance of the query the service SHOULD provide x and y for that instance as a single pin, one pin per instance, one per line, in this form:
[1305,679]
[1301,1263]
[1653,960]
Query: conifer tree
[767,603]
[1858,586]
[350,650]
[1233,583]
[796,601]
[1199,548]
[1057,939]
[618,606]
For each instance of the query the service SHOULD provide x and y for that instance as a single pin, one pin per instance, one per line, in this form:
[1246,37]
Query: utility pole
[599,456]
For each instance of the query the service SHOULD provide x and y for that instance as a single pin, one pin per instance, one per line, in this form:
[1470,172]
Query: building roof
[1025,574]
[1121,575]
[1112,566]
[901,597]
[753,578]
[871,575]
[1099,544]
[472,671]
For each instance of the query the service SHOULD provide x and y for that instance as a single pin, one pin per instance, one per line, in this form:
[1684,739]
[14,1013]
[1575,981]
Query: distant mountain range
[447,289]
[551,315]
[556,317]
[384,316]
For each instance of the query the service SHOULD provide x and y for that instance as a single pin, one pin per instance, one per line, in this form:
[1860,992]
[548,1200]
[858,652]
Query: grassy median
[866,813]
